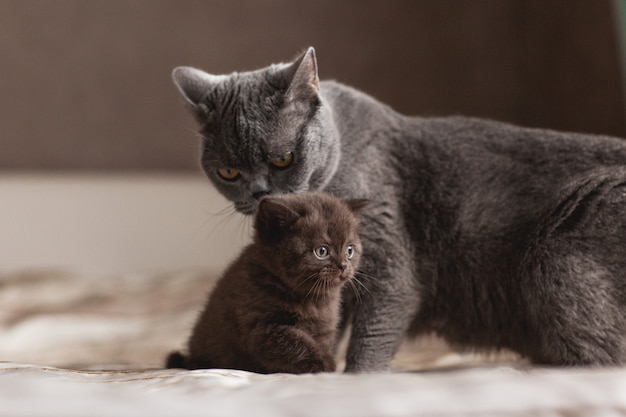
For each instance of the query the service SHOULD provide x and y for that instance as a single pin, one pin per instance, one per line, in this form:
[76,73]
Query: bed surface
[44,391]
[76,345]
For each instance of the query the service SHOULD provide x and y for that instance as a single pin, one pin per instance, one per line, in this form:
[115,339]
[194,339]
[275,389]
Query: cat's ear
[193,83]
[356,204]
[304,82]
[273,218]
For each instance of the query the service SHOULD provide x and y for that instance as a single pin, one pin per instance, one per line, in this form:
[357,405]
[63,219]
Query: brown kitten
[276,308]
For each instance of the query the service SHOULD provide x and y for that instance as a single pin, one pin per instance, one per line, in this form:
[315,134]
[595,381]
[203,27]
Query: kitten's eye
[350,251]
[228,173]
[282,161]
[321,252]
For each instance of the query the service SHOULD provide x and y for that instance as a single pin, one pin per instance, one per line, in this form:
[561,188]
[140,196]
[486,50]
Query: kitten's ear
[304,82]
[273,218]
[193,83]
[356,204]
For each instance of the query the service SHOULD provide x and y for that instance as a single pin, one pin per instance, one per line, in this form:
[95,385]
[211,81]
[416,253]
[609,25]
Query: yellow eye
[283,161]
[228,173]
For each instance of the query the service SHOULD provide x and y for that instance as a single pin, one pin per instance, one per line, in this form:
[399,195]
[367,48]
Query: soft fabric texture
[77,344]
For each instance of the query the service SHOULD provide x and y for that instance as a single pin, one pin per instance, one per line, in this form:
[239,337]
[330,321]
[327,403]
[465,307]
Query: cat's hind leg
[576,317]
[577,278]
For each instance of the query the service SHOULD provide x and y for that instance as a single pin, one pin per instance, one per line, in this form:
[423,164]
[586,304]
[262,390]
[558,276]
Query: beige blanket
[77,344]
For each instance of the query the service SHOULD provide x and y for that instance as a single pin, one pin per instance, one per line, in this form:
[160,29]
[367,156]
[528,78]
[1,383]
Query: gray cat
[489,235]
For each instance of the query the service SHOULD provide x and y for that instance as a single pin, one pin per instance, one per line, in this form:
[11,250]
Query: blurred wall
[110,224]
[85,85]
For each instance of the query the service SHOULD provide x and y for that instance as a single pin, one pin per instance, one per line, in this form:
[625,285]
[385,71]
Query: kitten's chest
[319,322]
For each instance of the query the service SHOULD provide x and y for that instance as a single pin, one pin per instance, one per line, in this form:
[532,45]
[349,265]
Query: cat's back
[483,169]
[467,135]
[382,145]
[366,122]
[480,153]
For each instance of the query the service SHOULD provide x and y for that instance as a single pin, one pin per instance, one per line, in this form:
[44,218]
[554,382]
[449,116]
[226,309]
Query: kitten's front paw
[323,363]
[328,363]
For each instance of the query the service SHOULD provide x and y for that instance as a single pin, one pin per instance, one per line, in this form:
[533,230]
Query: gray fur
[490,235]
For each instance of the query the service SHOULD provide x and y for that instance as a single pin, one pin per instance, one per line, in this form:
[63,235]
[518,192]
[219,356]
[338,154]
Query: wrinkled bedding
[76,344]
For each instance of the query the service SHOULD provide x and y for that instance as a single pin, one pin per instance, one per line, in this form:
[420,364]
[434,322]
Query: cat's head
[263,132]
[312,238]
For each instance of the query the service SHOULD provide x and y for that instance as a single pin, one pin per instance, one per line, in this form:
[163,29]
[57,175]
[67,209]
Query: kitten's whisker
[318,285]
[321,291]
[326,289]
[356,291]
[313,288]
[357,281]
[313,275]
[319,288]
[369,278]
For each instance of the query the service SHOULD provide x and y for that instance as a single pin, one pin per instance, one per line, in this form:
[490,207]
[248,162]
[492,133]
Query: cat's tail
[176,360]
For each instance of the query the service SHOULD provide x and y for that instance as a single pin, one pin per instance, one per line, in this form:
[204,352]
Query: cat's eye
[228,174]
[283,161]
[321,252]
[350,251]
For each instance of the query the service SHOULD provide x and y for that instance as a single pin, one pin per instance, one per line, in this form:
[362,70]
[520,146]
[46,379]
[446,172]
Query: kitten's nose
[343,266]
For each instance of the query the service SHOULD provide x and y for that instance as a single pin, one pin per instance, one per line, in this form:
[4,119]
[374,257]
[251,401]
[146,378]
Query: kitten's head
[312,239]
[263,132]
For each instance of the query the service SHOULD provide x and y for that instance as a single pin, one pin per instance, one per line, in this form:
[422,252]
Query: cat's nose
[343,266]
[259,187]
[259,194]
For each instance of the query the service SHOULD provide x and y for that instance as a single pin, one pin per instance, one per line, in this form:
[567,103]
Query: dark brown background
[85,85]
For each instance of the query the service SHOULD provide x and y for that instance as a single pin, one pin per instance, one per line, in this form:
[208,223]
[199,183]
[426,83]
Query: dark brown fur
[276,308]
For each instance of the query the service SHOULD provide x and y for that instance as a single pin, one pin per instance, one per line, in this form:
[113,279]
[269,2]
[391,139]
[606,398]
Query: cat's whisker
[227,214]
[196,133]
[242,228]
[248,223]
[189,144]
[209,221]
[228,210]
